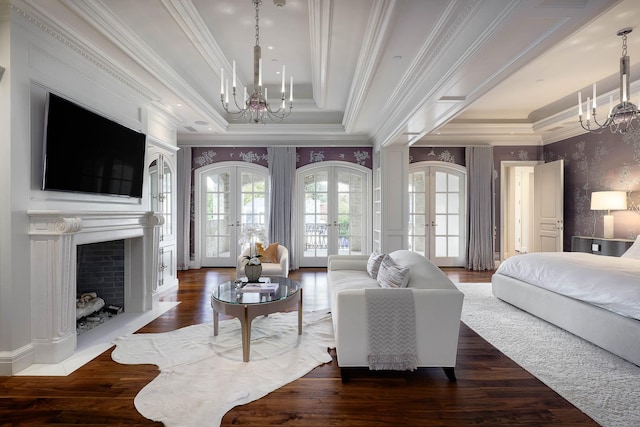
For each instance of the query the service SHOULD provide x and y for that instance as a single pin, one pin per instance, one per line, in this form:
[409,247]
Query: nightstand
[600,246]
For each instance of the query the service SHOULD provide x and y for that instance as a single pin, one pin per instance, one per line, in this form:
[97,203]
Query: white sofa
[277,269]
[438,307]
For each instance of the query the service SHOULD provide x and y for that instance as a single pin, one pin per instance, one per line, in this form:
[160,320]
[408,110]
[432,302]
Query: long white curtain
[282,168]
[480,167]
[183,199]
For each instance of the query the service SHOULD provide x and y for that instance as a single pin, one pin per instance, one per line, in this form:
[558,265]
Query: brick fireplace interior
[100,271]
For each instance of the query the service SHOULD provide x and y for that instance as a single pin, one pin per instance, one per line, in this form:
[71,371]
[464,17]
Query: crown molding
[33,12]
[292,135]
[126,40]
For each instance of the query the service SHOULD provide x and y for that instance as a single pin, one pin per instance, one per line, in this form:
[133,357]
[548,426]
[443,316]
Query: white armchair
[278,269]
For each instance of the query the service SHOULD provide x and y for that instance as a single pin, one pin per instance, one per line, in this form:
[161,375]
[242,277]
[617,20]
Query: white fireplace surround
[54,237]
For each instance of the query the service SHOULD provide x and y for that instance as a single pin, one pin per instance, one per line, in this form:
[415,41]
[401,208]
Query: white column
[394,165]
[53,287]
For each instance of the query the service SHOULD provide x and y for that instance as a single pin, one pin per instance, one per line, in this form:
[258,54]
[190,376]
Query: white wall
[38,57]
[7,272]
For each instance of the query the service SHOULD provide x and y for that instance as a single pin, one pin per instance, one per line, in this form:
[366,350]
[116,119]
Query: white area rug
[604,386]
[202,376]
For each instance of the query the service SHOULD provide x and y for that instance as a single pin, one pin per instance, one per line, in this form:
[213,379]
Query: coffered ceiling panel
[366,72]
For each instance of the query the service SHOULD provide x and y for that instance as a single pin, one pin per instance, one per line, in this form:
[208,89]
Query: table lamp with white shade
[608,201]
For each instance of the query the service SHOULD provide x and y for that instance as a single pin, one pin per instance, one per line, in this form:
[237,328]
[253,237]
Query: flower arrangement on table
[251,234]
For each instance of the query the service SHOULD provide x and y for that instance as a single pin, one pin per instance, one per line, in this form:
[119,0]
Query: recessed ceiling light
[179,105]
[270,47]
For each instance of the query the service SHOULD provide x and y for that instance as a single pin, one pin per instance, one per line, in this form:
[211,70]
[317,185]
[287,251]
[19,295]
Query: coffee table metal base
[247,312]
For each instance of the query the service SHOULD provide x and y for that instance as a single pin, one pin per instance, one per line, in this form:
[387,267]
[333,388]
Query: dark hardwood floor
[491,389]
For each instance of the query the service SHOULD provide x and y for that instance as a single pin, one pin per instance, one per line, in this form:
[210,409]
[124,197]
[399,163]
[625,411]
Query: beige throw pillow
[268,254]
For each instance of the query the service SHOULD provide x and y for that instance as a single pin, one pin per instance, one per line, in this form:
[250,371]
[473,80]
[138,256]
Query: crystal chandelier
[255,108]
[624,116]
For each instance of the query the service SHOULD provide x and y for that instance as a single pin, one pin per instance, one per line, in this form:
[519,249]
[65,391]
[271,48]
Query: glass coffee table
[246,301]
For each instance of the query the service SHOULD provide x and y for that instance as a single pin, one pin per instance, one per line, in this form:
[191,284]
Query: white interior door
[334,206]
[517,187]
[437,212]
[549,207]
[231,197]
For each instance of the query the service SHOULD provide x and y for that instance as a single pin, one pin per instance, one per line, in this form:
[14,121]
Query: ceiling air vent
[190,129]
[452,98]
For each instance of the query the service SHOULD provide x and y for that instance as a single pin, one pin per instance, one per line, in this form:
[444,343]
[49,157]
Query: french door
[231,198]
[437,212]
[334,212]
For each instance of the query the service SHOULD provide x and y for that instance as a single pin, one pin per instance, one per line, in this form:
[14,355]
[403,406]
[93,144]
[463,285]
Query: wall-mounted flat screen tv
[87,153]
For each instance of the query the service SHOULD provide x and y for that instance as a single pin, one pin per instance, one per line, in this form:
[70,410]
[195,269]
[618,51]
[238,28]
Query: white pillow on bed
[633,251]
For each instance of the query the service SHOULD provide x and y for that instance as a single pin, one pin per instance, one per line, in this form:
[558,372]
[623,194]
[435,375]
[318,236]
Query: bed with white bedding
[592,296]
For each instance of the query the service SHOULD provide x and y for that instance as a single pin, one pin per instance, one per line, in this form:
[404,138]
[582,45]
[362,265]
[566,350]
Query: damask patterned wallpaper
[457,155]
[360,155]
[203,156]
[592,163]
[437,154]
[599,163]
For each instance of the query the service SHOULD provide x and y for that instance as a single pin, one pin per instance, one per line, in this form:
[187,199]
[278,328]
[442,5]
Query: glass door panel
[217,236]
[315,213]
[253,194]
[437,215]
[335,212]
[234,198]
[418,214]
[166,199]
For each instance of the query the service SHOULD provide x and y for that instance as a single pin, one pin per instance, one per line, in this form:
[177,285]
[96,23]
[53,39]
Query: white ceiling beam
[462,30]
[320,18]
[379,27]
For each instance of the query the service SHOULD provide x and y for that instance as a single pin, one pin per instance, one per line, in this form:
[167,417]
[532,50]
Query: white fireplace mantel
[54,237]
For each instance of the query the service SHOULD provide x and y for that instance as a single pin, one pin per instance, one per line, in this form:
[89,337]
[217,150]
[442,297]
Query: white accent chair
[277,269]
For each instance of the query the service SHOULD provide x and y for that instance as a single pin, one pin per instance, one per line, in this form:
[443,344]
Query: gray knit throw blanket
[391,330]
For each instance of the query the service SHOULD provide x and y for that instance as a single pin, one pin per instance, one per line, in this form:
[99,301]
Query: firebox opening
[99,283]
